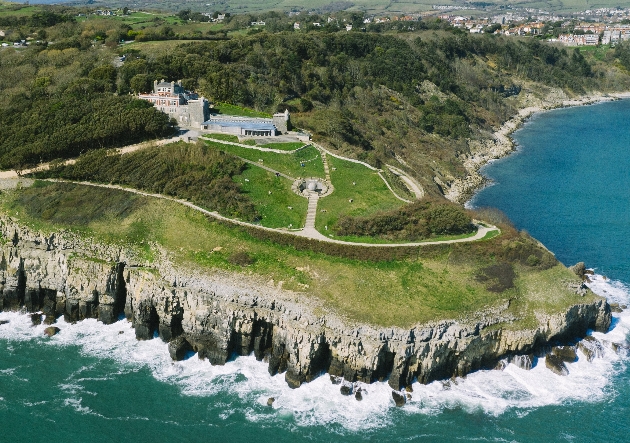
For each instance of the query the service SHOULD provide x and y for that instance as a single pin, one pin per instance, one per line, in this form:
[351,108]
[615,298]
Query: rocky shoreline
[500,144]
[220,317]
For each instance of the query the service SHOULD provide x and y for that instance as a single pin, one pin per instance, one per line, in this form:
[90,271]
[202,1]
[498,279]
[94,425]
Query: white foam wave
[244,385]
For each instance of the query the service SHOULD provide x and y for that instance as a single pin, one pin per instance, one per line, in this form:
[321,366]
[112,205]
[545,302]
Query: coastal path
[482,230]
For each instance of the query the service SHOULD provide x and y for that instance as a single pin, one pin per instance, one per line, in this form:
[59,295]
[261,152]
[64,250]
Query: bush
[241,258]
[419,220]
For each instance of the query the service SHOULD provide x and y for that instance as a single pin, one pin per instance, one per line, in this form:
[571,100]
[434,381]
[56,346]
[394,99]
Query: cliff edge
[220,317]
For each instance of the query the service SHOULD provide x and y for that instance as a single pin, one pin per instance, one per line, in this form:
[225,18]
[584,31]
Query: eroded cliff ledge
[220,316]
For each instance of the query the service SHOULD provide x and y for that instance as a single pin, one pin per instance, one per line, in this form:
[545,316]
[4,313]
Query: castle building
[186,107]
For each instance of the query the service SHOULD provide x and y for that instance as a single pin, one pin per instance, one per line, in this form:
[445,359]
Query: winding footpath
[310,232]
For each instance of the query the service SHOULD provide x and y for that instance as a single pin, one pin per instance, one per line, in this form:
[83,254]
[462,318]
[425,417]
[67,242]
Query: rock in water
[51,330]
[335,380]
[591,348]
[399,399]
[36,318]
[523,361]
[565,353]
[358,395]
[178,348]
[4,322]
[614,307]
[501,365]
[556,365]
[270,401]
[579,269]
[345,389]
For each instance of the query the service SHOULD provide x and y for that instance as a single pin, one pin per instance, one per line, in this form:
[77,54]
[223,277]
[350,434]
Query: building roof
[257,126]
[164,84]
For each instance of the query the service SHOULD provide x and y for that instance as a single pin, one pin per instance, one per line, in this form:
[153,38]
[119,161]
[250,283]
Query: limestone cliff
[219,316]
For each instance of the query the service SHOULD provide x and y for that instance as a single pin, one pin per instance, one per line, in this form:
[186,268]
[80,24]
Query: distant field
[369,6]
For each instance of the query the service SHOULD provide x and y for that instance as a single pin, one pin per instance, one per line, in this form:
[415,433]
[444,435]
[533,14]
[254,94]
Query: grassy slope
[288,164]
[274,207]
[369,195]
[433,286]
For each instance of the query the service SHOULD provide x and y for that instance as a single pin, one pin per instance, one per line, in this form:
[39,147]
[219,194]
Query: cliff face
[220,317]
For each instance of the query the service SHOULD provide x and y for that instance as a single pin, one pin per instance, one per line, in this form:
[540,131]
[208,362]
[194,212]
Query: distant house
[348,27]
[184,106]
[296,25]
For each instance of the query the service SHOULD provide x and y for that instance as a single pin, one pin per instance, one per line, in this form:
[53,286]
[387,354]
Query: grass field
[274,207]
[433,286]
[352,181]
[289,164]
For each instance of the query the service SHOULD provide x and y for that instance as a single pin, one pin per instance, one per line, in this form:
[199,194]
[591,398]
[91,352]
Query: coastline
[501,144]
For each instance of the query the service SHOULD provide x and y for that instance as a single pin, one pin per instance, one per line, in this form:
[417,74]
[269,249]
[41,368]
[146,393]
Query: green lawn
[274,207]
[352,181]
[289,164]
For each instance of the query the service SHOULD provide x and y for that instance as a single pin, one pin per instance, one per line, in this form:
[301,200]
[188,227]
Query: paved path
[411,184]
[311,212]
[251,162]
[257,148]
[309,233]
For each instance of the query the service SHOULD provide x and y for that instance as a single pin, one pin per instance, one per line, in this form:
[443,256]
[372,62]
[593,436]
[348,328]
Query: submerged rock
[335,380]
[501,365]
[399,399]
[565,353]
[51,330]
[358,395]
[556,365]
[345,389]
[36,318]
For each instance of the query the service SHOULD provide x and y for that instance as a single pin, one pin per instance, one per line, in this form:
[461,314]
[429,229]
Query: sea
[568,185]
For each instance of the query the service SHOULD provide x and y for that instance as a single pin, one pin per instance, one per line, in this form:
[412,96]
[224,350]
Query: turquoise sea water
[568,185]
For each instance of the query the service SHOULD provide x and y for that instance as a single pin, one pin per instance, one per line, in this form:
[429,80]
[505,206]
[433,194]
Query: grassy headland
[449,281]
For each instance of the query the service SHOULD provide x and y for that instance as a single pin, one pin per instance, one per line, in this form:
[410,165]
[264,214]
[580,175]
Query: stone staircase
[311,213]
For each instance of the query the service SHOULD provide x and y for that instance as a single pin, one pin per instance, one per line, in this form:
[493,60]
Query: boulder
[591,348]
[614,307]
[178,348]
[36,318]
[399,399]
[358,395]
[565,353]
[270,401]
[556,365]
[335,380]
[579,269]
[345,389]
[501,365]
[51,330]
[4,322]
